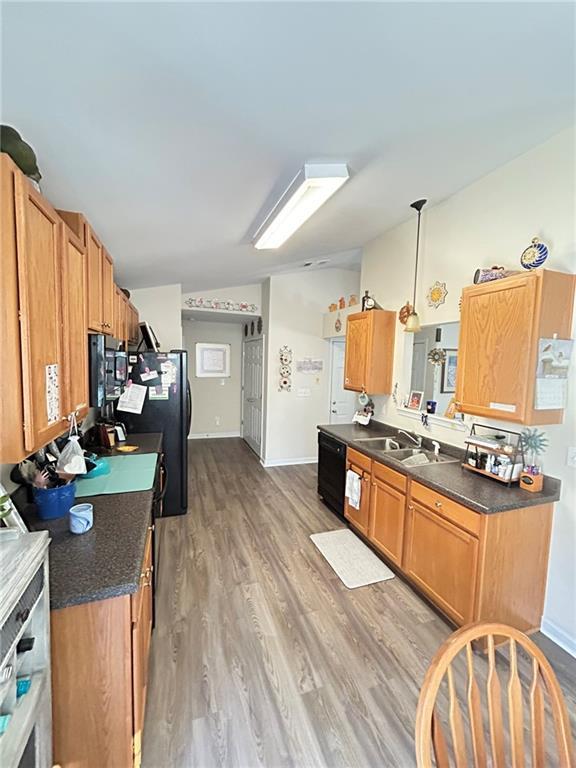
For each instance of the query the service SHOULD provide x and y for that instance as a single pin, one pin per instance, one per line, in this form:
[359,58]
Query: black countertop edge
[482,494]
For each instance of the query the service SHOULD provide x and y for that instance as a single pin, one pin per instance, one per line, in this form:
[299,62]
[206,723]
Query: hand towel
[353,488]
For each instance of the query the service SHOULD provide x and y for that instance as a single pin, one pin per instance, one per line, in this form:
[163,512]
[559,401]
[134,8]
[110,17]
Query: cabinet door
[108,293]
[442,560]
[75,337]
[141,635]
[357,338]
[359,517]
[495,348]
[39,287]
[387,513]
[94,256]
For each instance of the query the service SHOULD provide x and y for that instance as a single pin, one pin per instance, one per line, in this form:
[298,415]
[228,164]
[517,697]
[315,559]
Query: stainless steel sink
[380,443]
[417,456]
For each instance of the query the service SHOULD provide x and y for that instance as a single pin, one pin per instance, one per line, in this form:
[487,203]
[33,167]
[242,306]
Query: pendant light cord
[416,265]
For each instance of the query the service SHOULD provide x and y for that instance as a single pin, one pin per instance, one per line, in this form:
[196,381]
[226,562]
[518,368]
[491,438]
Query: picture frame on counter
[415,400]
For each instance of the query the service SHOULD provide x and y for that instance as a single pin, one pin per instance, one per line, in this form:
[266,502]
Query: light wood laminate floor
[261,656]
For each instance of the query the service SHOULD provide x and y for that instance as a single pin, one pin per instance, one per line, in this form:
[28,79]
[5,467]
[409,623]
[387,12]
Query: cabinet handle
[438,504]
[410,507]
[151,527]
[347,380]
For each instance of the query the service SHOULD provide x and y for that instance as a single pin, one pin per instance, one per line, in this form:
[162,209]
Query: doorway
[252,371]
[342,401]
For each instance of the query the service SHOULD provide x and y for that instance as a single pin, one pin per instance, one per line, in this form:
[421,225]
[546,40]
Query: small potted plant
[534,444]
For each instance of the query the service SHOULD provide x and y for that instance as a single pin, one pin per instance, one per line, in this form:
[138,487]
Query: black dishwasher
[331,472]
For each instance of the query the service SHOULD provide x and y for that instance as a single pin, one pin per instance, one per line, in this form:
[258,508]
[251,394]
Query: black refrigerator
[167,408]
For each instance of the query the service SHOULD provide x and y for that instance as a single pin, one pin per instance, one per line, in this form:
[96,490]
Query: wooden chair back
[489,746]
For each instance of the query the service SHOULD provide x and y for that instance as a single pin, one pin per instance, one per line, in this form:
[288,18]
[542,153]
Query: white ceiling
[172,125]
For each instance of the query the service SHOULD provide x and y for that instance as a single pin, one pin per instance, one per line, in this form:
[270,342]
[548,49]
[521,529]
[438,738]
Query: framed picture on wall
[415,400]
[448,381]
[212,360]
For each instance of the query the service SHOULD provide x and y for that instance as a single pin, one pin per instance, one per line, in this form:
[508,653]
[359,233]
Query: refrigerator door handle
[188,408]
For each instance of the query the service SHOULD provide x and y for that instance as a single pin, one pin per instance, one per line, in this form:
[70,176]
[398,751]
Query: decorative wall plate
[404,312]
[535,255]
[437,294]
[338,325]
[437,356]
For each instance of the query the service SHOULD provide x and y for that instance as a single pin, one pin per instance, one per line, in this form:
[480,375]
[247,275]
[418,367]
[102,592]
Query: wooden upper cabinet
[370,351]
[11,406]
[108,293]
[500,328]
[39,281]
[100,275]
[94,256]
[75,337]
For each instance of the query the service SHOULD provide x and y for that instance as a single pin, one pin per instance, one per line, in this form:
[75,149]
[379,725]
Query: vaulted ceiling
[173,125]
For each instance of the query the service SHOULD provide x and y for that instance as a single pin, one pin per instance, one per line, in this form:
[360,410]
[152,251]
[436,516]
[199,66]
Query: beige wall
[216,403]
[292,316]
[491,222]
[160,307]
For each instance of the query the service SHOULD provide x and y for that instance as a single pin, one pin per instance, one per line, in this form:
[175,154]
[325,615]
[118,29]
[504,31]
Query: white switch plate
[571,456]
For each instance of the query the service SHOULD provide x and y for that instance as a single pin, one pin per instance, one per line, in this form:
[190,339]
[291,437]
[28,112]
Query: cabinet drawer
[449,509]
[359,459]
[390,476]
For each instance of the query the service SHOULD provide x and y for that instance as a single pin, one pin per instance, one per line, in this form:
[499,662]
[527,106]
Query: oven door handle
[164,470]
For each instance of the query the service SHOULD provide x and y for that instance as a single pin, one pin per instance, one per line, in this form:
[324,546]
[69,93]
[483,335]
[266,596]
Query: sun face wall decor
[437,294]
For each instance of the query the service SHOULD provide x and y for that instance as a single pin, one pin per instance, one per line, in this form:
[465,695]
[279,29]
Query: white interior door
[252,393]
[342,401]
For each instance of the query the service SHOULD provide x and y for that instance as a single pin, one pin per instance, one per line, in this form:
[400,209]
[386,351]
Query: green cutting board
[127,473]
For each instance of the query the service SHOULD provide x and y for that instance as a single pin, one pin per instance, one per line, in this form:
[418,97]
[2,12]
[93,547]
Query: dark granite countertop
[107,560]
[481,494]
[104,562]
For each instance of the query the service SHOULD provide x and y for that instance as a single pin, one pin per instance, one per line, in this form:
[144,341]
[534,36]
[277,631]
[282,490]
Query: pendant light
[413,321]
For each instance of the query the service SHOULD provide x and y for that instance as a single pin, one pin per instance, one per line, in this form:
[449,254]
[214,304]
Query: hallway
[261,656]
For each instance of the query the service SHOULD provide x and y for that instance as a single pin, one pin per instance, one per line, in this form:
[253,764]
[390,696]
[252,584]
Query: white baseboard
[204,435]
[288,462]
[560,637]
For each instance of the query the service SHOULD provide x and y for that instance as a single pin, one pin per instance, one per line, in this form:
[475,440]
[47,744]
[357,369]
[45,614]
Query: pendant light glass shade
[412,323]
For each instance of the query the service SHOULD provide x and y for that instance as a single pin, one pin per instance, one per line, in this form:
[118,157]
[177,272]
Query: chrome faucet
[416,439]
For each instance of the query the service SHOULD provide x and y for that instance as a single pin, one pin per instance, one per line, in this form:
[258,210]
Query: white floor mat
[350,558]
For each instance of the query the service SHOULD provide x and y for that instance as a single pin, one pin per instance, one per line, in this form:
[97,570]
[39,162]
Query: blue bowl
[52,503]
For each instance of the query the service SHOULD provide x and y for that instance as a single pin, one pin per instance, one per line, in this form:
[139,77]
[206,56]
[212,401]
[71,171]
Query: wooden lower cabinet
[472,566]
[442,560]
[387,512]
[99,673]
[359,518]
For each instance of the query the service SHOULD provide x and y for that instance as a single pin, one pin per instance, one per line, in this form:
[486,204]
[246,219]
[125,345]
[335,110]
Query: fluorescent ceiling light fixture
[308,191]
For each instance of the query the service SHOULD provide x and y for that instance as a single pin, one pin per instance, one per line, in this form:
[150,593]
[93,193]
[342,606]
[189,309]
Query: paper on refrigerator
[132,399]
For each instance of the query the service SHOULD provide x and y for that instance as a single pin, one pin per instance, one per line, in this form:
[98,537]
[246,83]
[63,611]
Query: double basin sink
[409,457]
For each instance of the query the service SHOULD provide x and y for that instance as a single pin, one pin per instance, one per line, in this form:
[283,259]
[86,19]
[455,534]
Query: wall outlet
[217,420]
[571,456]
